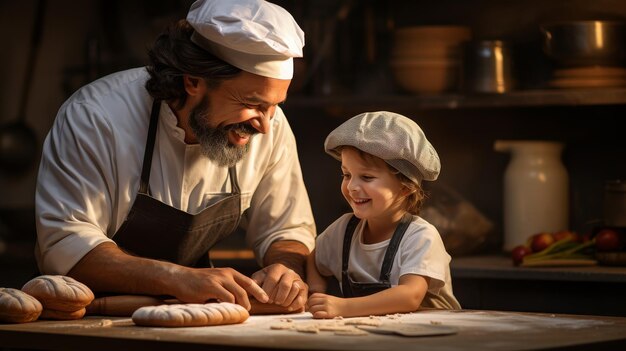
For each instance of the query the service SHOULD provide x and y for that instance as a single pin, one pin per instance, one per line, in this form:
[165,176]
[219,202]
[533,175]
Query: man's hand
[195,285]
[282,276]
[283,286]
[106,268]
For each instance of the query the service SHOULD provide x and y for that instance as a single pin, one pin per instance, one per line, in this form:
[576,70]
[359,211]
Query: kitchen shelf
[493,283]
[522,98]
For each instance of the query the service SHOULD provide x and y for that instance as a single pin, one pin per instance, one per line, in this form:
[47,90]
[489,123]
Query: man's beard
[214,141]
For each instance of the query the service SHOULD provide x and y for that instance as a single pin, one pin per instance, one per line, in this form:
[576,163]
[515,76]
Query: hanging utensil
[18,141]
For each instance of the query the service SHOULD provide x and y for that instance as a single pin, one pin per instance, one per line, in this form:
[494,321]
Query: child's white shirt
[421,252]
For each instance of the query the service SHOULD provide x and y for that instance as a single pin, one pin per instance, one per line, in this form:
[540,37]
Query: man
[144,170]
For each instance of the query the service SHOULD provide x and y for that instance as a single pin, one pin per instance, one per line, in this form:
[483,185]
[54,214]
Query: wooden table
[477,330]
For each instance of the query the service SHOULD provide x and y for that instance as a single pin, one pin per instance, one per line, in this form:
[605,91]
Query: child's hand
[325,306]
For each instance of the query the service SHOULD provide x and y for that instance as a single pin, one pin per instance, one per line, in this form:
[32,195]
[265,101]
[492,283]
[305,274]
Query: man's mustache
[243,127]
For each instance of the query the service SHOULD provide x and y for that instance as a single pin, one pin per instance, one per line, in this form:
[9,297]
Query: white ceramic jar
[536,190]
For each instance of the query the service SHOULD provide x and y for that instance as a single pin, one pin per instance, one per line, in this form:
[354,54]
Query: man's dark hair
[173,55]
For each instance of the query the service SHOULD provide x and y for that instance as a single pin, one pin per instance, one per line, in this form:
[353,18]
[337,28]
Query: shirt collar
[170,122]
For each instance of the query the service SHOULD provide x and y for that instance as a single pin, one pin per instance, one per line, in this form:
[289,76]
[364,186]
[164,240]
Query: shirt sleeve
[280,207]
[423,253]
[329,248]
[72,200]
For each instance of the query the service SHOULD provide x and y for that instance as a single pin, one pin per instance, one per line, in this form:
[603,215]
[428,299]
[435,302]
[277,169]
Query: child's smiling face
[369,185]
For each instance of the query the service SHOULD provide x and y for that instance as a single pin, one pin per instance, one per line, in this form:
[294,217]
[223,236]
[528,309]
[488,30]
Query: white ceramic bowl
[426,76]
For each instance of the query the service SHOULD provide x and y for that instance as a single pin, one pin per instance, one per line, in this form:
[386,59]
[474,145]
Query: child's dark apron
[350,288]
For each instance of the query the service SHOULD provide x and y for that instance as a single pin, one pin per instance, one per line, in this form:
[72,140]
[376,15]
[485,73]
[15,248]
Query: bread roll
[121,305]
[59,293]
[190,315]
[18,307]
[62,315]
[228,314]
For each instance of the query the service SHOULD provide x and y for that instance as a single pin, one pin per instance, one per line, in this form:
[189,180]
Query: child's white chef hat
[254,35]
[394,138]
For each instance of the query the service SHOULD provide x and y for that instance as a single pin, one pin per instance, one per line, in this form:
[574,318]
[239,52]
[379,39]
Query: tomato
[563,234]
[609,240]
[518,253]
[541,241]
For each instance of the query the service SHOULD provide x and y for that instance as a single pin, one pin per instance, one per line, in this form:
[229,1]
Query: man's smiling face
[228,116]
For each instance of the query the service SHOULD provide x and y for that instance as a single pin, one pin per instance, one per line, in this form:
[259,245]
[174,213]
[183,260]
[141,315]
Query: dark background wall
[355,76]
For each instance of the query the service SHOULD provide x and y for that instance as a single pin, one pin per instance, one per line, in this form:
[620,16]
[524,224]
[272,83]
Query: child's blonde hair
[416,196]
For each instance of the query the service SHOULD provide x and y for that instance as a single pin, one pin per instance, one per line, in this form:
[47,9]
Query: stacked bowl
[427,59]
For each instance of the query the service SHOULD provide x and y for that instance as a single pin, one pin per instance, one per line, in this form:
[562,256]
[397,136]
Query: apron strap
[345,256]
[392,249]
[394,244]
[232,172]
[147,156]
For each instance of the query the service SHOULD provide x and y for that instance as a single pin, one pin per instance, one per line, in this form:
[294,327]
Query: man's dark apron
[350,288]
[155,230]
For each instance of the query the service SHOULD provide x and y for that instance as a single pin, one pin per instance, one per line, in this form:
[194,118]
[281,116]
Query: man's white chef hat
[394,138]
[254,35]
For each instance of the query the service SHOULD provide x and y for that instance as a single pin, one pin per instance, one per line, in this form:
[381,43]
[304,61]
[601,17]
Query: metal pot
[488,67]
[585,43]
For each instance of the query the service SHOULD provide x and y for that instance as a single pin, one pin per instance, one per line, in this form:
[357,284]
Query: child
[386,258]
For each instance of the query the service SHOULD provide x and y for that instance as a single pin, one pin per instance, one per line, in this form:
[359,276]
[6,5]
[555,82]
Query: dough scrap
[336,328]
[282,326]
[59,293]
[314,329]
[374,322]
[18,307]
[190,315]
[351,332]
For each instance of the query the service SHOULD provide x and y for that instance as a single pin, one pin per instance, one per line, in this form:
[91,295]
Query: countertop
[494,283]
[501,267]
[484,330]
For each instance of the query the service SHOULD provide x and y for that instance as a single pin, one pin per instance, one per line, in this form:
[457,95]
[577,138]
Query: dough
[121,305]
[282,326]
[190,315]
[337,327]
[351,332]
[313,329]
[62,315]
[374,322]
[227,312]
[18,307]
[258,308]
[59,293]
